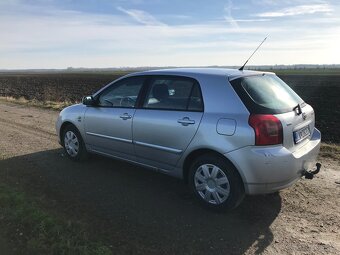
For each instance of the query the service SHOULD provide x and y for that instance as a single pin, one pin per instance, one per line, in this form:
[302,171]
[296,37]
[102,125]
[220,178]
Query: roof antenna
[242,67]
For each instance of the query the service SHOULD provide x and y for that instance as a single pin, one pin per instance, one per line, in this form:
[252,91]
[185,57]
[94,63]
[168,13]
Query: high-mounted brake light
[268,129]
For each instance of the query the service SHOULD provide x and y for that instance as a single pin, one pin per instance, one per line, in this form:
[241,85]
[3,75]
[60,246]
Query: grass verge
[37,231]
[42,104]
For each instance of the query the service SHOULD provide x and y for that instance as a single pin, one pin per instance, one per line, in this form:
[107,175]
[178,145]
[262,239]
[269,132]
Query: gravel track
[138,211]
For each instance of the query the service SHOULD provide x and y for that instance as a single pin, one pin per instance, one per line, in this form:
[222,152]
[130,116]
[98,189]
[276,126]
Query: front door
[108,125]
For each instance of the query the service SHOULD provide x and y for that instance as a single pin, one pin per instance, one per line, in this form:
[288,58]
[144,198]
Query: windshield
[270,92]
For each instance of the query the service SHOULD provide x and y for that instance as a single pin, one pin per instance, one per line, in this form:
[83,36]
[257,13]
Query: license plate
[301,134]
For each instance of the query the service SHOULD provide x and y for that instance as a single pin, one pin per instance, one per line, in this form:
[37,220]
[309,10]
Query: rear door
[167,121]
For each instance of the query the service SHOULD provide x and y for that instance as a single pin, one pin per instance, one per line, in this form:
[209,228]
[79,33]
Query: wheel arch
[199,152]
[82,151]
[63,126]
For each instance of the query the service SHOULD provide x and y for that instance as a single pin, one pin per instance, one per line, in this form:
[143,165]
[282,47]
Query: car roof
[192,72]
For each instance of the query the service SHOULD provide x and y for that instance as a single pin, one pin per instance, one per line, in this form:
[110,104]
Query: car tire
[216,183]
[73,144]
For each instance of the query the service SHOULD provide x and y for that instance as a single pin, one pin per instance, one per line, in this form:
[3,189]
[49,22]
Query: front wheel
[216,183]
[73,144]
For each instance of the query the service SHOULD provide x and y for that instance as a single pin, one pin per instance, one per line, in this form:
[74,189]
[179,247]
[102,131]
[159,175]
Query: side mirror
[88,100]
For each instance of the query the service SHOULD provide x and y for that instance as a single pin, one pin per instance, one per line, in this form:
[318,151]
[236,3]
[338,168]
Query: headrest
[160,92]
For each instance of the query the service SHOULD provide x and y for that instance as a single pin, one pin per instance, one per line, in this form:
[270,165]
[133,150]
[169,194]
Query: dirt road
[139,211]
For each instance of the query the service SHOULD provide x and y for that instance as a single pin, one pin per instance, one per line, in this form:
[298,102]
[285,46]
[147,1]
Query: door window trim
[115,83]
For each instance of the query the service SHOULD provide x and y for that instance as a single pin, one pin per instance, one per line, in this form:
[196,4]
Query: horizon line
[163,67]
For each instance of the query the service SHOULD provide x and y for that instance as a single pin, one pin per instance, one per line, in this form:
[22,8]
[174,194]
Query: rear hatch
[268,94]
[297,128]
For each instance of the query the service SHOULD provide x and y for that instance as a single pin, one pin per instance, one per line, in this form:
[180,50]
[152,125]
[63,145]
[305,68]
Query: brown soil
[137,211]
[320,90]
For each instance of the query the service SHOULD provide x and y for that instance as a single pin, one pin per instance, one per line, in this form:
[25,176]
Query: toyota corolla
[225,132]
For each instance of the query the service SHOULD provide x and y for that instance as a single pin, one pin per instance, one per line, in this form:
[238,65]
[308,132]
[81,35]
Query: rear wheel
[216,183]
[73,144]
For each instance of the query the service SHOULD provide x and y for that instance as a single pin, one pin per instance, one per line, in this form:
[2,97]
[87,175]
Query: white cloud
[64,29]
[298,10]
[80,39]
[141,17]
[228,17]
[251,20]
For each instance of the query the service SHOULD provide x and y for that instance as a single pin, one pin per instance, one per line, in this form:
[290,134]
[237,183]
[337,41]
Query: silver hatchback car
[226,132]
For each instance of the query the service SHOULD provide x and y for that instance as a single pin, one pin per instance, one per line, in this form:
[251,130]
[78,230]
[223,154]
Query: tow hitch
[310,174]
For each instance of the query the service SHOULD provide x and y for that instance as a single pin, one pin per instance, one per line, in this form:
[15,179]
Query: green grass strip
[36,231]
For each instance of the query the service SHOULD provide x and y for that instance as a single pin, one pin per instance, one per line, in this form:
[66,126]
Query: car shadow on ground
[140,211]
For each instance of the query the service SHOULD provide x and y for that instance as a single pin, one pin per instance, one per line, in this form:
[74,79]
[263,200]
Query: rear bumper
[267,169]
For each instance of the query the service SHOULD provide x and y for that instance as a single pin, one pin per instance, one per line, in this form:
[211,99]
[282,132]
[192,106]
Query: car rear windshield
[266,93]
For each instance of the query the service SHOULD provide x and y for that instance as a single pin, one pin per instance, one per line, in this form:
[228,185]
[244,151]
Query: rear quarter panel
[220,102]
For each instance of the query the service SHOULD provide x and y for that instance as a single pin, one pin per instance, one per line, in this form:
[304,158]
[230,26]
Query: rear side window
[266,94]
[174,93]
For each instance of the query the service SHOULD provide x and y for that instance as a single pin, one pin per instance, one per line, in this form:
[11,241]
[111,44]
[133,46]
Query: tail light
[268,129]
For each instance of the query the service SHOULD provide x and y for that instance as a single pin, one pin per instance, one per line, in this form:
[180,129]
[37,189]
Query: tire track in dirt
[28,129]
[25,130]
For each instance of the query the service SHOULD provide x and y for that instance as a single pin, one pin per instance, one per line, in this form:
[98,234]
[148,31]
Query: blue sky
[103,33]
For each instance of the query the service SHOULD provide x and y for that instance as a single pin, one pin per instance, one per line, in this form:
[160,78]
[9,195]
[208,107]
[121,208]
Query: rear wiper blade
[297,109]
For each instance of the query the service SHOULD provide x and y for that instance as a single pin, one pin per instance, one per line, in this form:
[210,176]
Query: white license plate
[301,134]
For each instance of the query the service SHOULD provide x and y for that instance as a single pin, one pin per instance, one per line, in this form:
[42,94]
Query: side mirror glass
[88,100]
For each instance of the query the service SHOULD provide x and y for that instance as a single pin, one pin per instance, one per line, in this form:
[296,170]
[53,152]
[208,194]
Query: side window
[123,93]
[174,93]
[195,102]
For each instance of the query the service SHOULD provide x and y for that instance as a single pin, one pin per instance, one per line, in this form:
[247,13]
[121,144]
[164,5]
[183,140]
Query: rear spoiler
[249,73]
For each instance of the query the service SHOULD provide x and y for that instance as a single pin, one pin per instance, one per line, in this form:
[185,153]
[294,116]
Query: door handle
[186,121]
[125,116]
